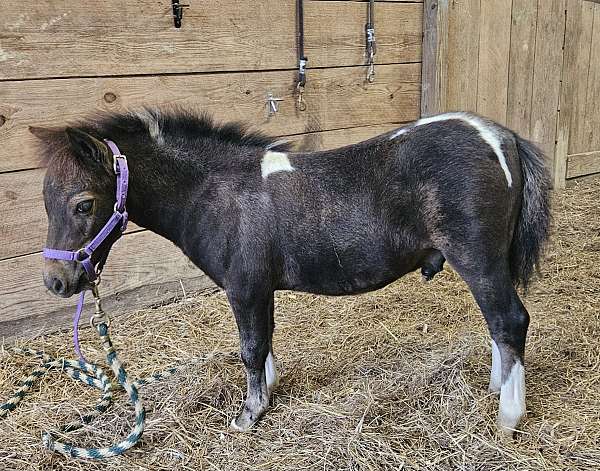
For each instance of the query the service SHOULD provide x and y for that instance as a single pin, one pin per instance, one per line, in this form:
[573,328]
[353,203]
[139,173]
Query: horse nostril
[58,286]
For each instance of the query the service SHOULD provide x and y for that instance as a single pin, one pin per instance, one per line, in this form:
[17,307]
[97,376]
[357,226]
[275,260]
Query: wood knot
[109,97]
[11,195]
[3,119]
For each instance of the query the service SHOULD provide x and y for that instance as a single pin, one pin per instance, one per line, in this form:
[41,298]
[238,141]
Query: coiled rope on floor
[92,375]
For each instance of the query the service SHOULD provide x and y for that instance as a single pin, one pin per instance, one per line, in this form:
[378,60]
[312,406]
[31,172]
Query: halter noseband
[84,255]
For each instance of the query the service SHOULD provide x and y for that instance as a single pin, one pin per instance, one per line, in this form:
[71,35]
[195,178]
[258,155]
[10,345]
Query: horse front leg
[252,310]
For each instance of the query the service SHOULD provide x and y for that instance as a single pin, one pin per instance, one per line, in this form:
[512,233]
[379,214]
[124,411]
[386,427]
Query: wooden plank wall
[504,59]
[579,136]
[62,60]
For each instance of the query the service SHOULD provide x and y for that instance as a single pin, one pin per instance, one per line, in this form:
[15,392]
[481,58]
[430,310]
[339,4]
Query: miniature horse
[257,218]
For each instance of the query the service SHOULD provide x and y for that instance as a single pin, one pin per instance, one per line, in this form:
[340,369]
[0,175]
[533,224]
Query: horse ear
[88,147]
[45,134]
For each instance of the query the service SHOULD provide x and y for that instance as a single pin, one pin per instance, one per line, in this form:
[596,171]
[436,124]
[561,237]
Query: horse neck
[160,186]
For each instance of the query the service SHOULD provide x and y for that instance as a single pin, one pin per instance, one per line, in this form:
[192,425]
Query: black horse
[257,218]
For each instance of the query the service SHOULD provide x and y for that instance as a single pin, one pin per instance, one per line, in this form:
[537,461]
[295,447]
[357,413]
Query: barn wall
[505,59]
[62,60]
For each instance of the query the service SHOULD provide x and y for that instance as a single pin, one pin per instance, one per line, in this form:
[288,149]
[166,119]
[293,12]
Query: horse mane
[175,123]
[161,125]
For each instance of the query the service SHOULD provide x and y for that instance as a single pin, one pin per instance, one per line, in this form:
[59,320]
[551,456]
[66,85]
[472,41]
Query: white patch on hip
[496,371]
[487,133]
[274,162]
[271,372]
[512,399]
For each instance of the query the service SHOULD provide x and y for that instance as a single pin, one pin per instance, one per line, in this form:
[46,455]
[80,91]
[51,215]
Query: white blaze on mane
[487,133]
[151,122]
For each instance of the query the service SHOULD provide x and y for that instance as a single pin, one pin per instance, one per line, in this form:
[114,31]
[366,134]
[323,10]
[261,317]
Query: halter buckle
[115,158]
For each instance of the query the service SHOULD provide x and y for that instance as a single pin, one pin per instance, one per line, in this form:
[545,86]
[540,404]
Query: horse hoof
[508,423]
[235,427]
[505,434]
[243,422]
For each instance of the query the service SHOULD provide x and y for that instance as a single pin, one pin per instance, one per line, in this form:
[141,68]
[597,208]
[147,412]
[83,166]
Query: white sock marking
[512,398]
[496,371]
[485,131]
[274,162]
[271,372]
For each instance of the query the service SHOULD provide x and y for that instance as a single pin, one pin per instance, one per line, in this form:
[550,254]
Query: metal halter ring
[82,255]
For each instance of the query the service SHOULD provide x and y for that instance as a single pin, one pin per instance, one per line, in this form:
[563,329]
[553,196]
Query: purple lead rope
[76,319]
[84,255]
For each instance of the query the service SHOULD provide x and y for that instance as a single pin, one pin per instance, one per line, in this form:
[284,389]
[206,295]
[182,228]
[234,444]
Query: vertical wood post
[434,70]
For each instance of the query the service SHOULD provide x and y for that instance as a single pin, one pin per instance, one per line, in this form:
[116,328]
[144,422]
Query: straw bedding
[395,379]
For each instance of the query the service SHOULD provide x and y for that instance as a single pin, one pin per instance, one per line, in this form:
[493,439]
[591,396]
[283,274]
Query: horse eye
[84,207]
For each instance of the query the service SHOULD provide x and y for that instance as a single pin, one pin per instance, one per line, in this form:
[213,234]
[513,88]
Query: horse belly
[349,272]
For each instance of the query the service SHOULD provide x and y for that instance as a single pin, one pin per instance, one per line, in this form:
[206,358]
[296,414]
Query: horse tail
[533,223]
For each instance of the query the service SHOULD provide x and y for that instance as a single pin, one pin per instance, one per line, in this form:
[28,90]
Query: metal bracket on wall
[272,104]
[178,12]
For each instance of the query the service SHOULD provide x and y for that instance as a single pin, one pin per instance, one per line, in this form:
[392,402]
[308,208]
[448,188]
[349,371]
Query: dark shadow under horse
[257,218]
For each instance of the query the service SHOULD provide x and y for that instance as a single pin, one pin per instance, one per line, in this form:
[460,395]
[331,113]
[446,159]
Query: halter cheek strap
[119,216]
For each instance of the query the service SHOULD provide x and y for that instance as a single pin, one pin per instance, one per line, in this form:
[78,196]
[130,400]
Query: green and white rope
[94,376]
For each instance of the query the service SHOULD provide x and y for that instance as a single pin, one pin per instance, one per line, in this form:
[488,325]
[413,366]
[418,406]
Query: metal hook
[99,315]
[371,48]
[371,72]
[272,106]
[300,103]
[178,12]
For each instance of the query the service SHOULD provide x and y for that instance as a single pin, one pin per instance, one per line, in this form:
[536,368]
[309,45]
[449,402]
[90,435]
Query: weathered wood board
[573,94]
[578,41]
[494,52]
[579,165]
[115,37]
[28,308]
[462,57]
[336,98]
[521,65]
[591,122]
[434,70]
[22,206]
[550,33]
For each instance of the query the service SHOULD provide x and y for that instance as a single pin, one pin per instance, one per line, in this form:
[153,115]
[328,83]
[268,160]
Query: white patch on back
[274,162]
[512,399]
[496,371]
[486,132]
[271,372]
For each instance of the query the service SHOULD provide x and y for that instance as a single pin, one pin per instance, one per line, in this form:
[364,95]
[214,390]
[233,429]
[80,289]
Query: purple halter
[84,255]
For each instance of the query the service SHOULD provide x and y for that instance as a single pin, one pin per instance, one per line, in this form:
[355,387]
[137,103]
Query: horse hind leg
[507,321]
